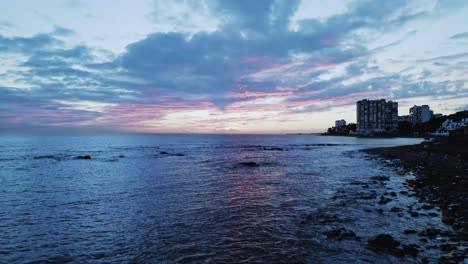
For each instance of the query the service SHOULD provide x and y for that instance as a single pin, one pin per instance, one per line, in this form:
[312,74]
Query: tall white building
[420,114]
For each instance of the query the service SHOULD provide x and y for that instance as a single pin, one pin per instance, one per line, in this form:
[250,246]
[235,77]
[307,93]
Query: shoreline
[370,136]
[441,176]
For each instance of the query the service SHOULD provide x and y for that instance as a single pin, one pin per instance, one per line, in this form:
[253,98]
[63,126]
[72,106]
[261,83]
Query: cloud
[462,108]
[446,57]
[73,4]
[211,62]
[62,32]
[184,16]
[462,35]
[27,45]
[5,24]
[225,61]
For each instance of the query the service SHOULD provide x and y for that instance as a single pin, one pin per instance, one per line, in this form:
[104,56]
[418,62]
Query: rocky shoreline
[440,167]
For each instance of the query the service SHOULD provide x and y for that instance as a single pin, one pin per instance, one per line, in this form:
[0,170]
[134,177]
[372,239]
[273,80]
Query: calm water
[136,201]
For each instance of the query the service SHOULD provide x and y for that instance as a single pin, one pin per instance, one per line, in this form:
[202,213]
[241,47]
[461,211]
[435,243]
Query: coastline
[369,136]
[441,177]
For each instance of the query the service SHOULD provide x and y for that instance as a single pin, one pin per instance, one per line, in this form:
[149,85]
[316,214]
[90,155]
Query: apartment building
[376,116]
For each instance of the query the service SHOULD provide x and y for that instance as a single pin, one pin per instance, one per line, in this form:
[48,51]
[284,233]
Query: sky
[227,66]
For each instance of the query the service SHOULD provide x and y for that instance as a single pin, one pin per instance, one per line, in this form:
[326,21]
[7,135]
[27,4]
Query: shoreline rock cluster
[441,177]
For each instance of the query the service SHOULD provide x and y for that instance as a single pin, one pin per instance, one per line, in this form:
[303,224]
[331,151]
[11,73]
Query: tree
[351,127]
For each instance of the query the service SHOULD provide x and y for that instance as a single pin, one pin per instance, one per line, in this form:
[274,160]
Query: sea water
[190,199]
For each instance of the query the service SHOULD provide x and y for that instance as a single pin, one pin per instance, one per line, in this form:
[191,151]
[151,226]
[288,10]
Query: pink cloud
[287,105]
[276,68]
[137,113]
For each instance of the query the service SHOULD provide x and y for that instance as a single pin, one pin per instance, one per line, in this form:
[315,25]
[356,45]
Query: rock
[448,247]
[427,207]
[411,249]
[357,183]
[274,149]
[340,234]
[383,241]
[430,232]
[171,154]
[414,214]
[410,231]
[384,200]
[45,157]
[85,157]
[249,164]
[367,195]
[324,218]
[380,178]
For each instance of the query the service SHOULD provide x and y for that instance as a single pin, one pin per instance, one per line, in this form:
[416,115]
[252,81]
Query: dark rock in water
[410,231]
[380,178]
[367,195]
[171,154]
[340,234]
[430,232]
[85,157]
[414,214]
[448,247]
[45,157]
[411,249]
[427,207]
[324,218]
[249,164]
[357,183]
[384,200]
[273,148]
[453,258]
[383,241]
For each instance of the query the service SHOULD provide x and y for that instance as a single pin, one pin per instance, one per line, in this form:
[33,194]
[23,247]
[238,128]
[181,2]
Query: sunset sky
[237,66]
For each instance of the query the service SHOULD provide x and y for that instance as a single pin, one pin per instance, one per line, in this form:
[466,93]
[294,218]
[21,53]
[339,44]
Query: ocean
[154,198]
